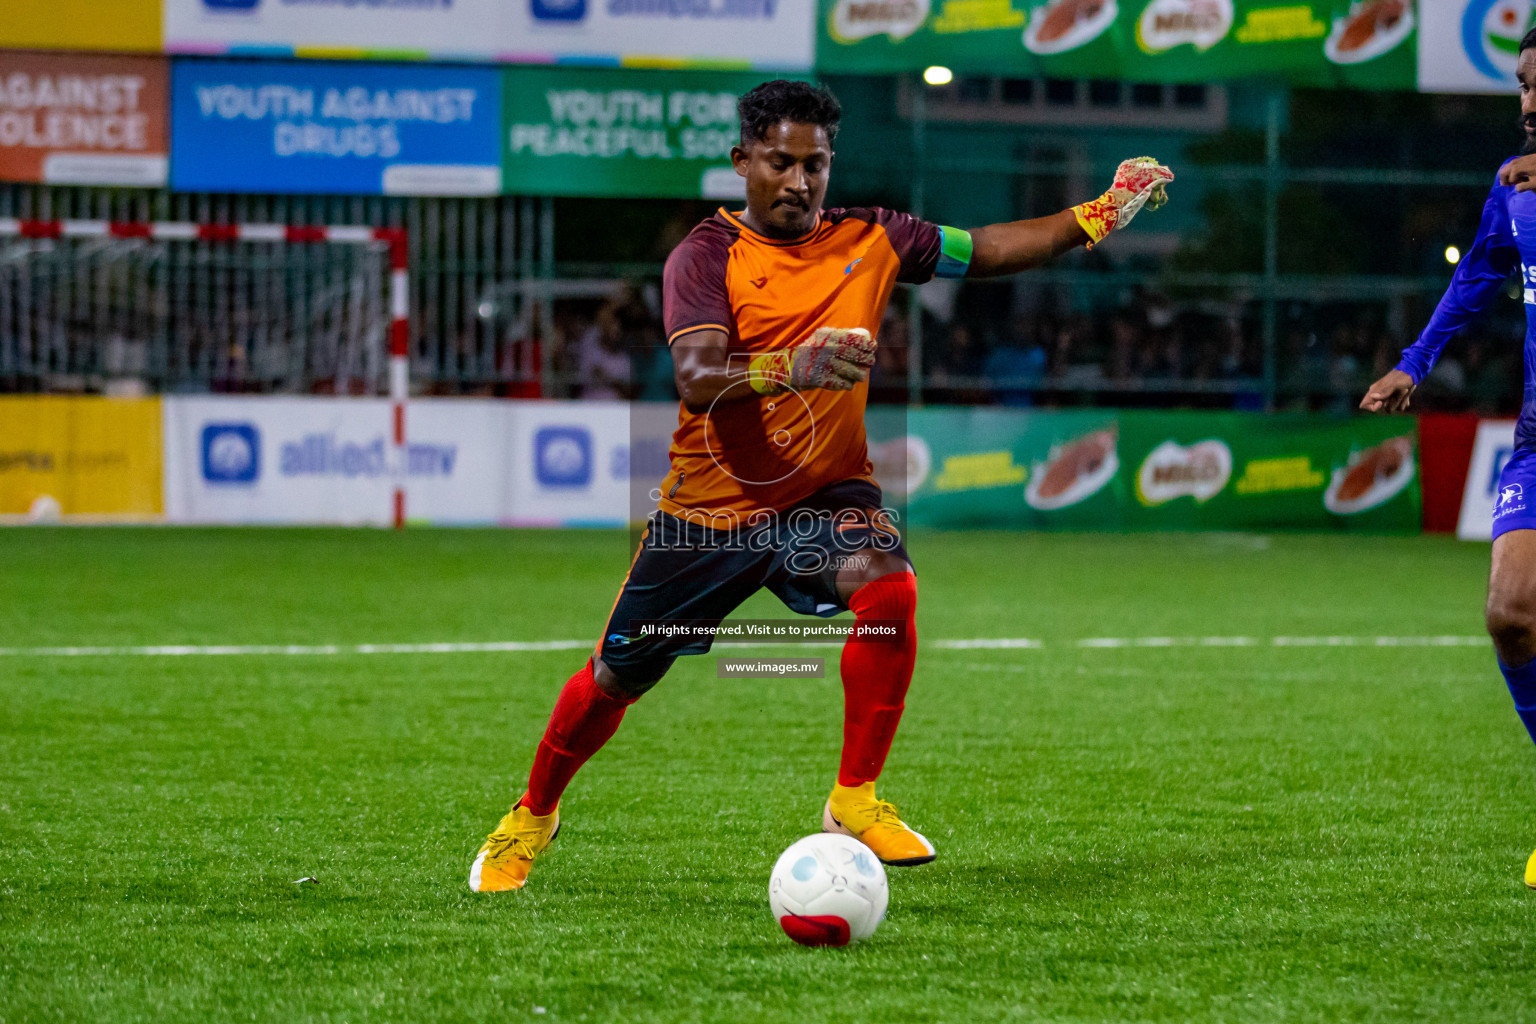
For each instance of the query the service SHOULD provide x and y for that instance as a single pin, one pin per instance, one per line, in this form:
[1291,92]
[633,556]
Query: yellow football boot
[508,853]
[854,811]
[1530,871]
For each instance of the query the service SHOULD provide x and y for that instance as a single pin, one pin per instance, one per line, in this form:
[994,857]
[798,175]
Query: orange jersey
[755,453]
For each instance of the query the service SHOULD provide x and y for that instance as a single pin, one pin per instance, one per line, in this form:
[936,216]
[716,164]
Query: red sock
[583,720]
[876,675]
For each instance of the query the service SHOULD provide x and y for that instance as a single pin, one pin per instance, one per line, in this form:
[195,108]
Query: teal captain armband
[954,253]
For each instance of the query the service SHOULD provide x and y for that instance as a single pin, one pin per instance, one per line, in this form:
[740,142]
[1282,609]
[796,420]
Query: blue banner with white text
[353,128]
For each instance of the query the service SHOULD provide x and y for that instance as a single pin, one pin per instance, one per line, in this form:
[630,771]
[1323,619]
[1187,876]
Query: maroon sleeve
[916,242]
[693,291]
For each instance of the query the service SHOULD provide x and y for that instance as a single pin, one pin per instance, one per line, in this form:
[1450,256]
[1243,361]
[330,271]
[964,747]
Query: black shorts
[687,572]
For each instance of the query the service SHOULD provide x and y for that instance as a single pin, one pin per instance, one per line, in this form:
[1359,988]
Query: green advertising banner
[1115,470]
[1353,43]
[622,132]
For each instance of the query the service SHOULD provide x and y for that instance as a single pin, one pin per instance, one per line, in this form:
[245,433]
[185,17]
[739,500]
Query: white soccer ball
[828,890]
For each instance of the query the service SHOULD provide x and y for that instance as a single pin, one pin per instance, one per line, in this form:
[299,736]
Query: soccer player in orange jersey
[771,313]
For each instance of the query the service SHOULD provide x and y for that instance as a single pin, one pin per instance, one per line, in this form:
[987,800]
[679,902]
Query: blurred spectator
[1305,368]
[1149,351]
[1160,312]
[888,377]
[602,359]
[653,369]
[1071,366]
[1018,371]
[1448,376]
[1488,379]
[521,360]
[958,365]
[1235,361]
[1344,371]
[1388,352]
[1163,354]
[1124,364]
[639,313]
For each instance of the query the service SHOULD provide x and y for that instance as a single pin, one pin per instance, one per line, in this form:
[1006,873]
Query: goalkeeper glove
[834,358]
[1138,182]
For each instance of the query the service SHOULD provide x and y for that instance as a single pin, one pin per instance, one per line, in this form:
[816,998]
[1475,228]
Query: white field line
[1283,641]
[1170,641]
[1382,641]
[176,650]
[527,646]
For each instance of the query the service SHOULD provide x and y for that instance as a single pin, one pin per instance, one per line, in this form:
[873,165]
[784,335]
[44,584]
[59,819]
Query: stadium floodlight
[17,289]
[1452,255]
[938,74]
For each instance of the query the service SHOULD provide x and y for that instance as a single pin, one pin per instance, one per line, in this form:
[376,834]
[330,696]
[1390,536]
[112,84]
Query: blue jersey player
[1506,244]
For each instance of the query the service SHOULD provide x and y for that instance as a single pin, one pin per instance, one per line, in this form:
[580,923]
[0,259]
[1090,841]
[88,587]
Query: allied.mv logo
[562,457]
[231,453]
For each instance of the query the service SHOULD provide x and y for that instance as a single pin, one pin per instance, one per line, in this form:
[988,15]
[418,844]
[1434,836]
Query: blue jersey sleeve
[1478,278]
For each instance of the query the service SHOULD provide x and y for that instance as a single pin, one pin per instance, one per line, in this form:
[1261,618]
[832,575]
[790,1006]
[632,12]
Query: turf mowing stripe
[988,645]
[1169,641]
[795,643]
[1381,641]
[175,650]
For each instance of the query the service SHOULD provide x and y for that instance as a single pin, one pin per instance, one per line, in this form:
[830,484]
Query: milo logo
[1198,471]
[1165,24]
[852,20]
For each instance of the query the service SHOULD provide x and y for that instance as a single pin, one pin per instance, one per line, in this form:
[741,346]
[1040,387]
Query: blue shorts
[1514,508]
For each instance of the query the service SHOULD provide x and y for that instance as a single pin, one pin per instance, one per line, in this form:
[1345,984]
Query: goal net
[165,307]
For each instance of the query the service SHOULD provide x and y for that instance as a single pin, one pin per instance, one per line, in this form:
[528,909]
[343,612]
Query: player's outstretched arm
[1000,249]
[1390,394]
[833,358]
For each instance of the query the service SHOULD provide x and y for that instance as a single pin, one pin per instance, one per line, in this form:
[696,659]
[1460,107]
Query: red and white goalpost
[399,285]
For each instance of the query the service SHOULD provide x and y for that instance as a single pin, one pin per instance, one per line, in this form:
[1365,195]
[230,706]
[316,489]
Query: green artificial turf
[1260,833]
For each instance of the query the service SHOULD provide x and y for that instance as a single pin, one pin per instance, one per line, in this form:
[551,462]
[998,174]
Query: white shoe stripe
[922,839]
[474,872]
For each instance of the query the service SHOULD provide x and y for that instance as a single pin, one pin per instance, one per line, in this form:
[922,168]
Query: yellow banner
[80,457]
[122,25]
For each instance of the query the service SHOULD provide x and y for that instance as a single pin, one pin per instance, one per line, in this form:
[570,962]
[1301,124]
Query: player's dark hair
[1528,41]
[781,100]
